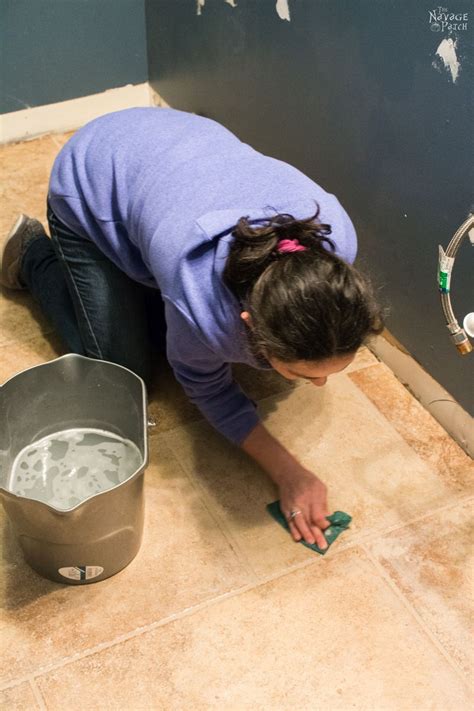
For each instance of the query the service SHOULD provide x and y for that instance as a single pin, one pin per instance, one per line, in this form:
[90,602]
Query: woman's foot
[12,249]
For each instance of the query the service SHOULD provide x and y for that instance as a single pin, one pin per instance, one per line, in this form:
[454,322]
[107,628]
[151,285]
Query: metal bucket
[102,534]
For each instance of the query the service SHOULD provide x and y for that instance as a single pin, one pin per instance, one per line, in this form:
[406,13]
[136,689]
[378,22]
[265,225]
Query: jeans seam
[76,290]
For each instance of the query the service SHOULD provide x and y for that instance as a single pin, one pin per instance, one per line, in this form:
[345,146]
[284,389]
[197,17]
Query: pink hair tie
[290,245]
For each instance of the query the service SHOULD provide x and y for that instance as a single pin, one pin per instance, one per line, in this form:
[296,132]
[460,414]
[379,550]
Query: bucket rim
[73,356]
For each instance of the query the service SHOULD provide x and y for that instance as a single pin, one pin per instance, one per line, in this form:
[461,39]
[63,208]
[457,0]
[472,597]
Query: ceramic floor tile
[370,471]
[184,559]
[168,406]
[317,633]
[416,425]
[330,636]
[20,318]
[340,435]
[432,563]
[258,384]
[18,698]
[24,175]
[25,354]
[363,359]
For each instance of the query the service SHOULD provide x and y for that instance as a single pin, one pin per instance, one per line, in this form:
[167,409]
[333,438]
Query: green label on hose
[445,267]
[444,281]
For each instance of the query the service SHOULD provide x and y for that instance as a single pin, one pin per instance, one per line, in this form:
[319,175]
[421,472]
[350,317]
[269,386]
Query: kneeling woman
[241,256]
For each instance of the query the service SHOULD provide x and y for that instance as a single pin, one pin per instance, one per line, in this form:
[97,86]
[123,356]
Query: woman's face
[316,373]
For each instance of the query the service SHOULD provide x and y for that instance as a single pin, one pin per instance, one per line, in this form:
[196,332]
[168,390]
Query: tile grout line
[199,489]
[203,419]
[232,542]
[206,604]
[411,609]
[393,423]
[54,140]
[186,612]
[376,533]
[102,646]
[37,694]
[226,532]
[252,586]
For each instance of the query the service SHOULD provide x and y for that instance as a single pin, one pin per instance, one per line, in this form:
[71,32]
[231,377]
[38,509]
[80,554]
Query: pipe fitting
[445,267]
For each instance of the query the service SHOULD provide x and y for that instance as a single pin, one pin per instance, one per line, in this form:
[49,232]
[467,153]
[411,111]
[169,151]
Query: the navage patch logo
[441,20]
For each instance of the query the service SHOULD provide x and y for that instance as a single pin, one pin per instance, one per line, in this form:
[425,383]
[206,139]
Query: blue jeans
[96,309]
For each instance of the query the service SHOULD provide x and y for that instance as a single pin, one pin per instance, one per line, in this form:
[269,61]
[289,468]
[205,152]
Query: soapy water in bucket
[68,467]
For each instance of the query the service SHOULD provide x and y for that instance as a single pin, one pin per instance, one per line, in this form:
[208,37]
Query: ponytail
[255,248]
[305,305]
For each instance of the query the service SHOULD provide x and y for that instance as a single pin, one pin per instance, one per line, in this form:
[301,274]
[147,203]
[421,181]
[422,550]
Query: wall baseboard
[452,417]
[69,115]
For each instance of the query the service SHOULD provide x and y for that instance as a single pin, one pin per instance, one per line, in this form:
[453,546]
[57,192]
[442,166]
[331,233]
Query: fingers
[318,517]
[294,531]
[322,524]
[311,533]
[300,529]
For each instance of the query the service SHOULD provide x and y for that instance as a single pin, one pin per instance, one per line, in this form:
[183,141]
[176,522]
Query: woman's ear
[245,316]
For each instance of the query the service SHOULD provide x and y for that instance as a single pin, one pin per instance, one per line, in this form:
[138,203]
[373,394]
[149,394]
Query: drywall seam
[434,398]
[68,115]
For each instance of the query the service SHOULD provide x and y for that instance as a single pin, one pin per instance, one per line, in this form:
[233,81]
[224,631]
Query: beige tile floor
[221,609]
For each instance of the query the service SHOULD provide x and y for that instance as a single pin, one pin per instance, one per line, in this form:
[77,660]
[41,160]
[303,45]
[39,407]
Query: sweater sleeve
[207,379]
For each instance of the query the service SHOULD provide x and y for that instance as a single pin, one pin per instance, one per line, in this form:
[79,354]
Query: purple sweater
[158,191]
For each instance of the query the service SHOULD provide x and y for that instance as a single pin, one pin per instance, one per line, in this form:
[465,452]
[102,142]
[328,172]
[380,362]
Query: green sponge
[339,522]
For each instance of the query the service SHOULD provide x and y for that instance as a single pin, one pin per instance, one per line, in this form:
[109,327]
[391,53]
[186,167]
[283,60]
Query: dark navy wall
[54,50]
[353,94]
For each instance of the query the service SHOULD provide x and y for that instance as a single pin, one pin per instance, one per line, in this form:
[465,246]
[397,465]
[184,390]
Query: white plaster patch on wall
[447,53]
[281,7]
[200,4]
[283,10]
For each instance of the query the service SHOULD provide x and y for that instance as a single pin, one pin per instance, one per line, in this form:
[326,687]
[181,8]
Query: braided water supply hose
[445,268]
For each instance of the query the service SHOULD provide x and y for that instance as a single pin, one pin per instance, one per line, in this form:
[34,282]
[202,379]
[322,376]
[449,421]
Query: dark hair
[306,305]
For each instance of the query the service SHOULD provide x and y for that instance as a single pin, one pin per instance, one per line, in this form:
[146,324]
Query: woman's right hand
[304,492]
[299,488]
